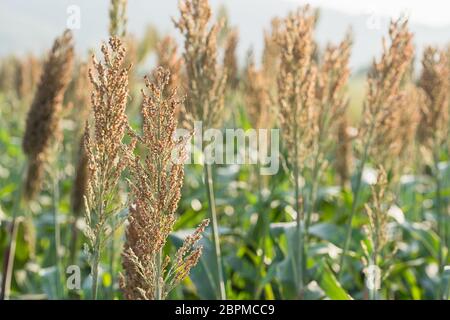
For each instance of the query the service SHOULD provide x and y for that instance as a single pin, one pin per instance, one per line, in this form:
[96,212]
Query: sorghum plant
[384,88]
[296,95]
[106,154]
[155,191]
[206,86]
[433,133]
[330,107]
[43,120]
[42,134]
[377,232]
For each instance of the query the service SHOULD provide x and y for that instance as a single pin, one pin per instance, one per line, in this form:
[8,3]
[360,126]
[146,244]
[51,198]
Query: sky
[429,12]
[31,25]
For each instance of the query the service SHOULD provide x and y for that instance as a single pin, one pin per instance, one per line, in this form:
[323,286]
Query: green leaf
[426,236]
[330,285]
[324,231]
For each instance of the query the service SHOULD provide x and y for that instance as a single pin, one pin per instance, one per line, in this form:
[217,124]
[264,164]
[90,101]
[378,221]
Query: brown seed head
[384,97]
[43,119]
[296,84]
[168,58]
[257,99]
[206,80]
[107,156]
[394,140]
[332,100]
[155,191]
[271,53]
[434,120]
[230,59]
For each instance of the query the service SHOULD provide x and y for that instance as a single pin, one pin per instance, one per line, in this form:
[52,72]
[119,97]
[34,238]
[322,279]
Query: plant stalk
[440,221]
[56,233]
[8,262]
[111,263]
[299,233]
[264,219]
[95,263]
[220,285]
[356,195]
[373,289]
[158,289]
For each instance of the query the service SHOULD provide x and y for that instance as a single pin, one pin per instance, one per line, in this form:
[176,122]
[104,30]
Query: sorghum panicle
[296,83]
[206,80]
[106,154]
[385,92]
[43,119]
[434,81]
[155,191]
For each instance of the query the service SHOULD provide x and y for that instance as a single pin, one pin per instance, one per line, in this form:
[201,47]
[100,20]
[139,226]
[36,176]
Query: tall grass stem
[10,252]
[355,202]
[209,182]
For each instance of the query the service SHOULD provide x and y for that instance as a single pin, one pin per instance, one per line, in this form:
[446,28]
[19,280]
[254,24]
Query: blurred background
[430,22]
[28,29]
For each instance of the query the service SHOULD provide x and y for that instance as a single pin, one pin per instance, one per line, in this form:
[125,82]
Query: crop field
[165,167]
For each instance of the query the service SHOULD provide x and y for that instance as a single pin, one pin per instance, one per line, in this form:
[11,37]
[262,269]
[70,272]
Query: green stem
[220,285]
[98,244]
[8,262]
[299,233]
[158,294]
[356,195]
[311,203]
[94,270]
[440,221]
[263,218]
[56,234]
[312,193]
[111,264]
[373,295]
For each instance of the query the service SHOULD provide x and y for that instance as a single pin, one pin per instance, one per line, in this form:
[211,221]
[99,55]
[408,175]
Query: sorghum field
[202,177]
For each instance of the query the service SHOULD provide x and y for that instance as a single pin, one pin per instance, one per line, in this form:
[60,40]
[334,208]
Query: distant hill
[30,25]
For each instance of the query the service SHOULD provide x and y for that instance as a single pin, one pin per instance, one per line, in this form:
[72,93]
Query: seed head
[168,58]
[385,96]
[296,84]
[155,191]
[43,119]
[257,97]
[271,53]
[230,59]
[206,80]
[331,102]
[106,154]
[434,119]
